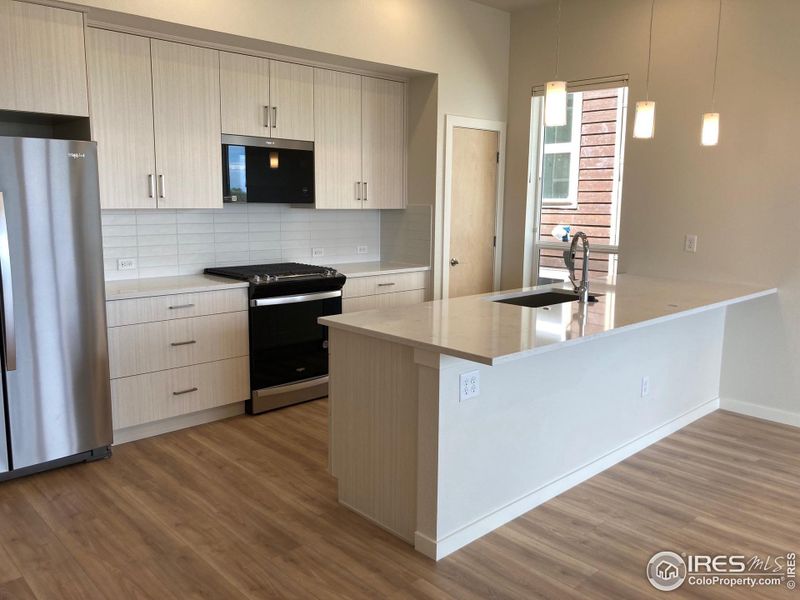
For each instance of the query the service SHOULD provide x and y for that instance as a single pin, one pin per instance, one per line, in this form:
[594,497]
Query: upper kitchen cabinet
[122,118]
[383,143]
[186,118]
[359,141]
[337,139]
[266,98]
[244,84]
[42,59]
[156,120]
[291,93]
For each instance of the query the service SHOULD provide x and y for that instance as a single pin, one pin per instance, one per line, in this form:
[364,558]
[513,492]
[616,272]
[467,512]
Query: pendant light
[710,132]
[555,95]
[644,123]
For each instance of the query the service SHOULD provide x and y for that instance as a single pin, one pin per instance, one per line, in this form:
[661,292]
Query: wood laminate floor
[244,508]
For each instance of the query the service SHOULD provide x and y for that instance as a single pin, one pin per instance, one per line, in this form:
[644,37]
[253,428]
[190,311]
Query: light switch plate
[126,264]
[317,252]
[469,385]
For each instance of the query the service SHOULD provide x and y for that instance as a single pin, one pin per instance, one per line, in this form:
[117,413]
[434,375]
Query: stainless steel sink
[539,299]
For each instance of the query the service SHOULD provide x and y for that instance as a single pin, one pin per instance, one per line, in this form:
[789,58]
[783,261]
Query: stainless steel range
[288,348]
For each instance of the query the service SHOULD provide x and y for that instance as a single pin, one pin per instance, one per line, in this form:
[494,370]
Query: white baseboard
[438,549]
[138,432]
[761,412]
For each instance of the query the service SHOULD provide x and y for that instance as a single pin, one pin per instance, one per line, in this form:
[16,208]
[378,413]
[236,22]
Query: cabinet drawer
[383,301]
[156,396]
[384,284]
[148,347]
[176,306]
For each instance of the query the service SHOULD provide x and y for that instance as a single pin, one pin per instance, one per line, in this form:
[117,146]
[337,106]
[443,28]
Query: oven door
[287,345]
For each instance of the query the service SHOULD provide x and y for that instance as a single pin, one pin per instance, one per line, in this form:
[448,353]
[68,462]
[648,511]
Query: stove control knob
[255,279]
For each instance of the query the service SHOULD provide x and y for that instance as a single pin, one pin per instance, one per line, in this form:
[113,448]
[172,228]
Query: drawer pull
[386,284]
[177,306]
[183,343]
[182,392]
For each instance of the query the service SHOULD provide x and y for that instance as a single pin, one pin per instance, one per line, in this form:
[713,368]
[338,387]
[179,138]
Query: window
[561,157]
[576,179]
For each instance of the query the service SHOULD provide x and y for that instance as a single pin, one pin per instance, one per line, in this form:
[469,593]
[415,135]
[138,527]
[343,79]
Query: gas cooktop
[282,278]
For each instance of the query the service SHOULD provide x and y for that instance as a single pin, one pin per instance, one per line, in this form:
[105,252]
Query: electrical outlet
[318,252]
[645,386]
[469,385]
[361,250]
[126,264]
[690,243]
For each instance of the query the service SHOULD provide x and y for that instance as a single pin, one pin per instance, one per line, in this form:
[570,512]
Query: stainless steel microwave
[267,170]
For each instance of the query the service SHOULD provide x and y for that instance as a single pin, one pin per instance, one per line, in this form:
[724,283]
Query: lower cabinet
[384,291]
[174,392]
[383,301]
[175,356]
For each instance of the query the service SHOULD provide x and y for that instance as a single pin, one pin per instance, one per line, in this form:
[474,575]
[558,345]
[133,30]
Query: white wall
[741,197]
[465,43]
[544,424]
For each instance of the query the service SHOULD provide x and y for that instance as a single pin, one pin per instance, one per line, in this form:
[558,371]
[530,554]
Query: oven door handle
[294,299]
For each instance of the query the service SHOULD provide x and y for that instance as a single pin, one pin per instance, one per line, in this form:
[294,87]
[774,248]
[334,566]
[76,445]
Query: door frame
[451,122]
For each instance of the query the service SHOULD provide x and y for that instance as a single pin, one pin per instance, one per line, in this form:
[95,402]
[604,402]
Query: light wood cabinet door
[291,101]
[337,139]
[383,139]
[43,66]
[122,118]
[244,84]
[186,114]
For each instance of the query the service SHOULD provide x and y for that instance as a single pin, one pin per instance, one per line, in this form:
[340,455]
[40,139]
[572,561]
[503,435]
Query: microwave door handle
[9,339]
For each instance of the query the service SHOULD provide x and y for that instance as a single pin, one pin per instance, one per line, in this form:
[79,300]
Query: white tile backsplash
[181,242]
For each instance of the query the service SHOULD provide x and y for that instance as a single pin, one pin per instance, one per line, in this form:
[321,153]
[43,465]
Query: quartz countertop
[378,267]
[162,286]
[477,329]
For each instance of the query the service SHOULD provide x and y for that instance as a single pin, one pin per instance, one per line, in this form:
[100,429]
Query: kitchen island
[450,418]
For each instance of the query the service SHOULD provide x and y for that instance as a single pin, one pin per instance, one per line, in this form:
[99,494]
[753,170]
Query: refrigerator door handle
[10,339]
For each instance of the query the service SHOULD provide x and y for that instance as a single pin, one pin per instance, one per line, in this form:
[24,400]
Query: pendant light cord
[558,37]
[716,60]
[650,49]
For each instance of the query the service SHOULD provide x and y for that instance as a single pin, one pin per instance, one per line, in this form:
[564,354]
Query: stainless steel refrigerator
[56,404]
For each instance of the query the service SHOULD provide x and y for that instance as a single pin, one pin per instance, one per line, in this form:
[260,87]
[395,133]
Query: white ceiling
[511,5]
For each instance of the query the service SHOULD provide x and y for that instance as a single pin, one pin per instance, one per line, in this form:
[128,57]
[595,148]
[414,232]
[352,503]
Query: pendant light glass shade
[710,136]
[644,123]
[555,104]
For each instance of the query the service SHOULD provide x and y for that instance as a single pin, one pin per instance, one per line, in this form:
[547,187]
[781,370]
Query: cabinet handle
[162,189]
[386,284]
[177,306]
[274,116]
[151,186]
[365,191]
[182,392]
[266,116]
[187,343]
[358,191]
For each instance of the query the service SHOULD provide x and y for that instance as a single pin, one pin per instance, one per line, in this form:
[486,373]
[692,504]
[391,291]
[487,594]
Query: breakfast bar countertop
[479,329]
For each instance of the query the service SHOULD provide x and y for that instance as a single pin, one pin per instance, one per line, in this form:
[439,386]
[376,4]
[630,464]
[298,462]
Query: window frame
[535,184]
[573,148]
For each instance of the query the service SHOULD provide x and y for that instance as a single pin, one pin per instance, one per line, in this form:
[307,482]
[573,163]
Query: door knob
[453,262]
